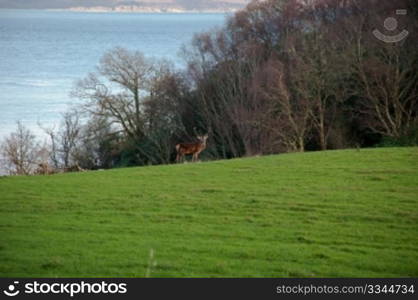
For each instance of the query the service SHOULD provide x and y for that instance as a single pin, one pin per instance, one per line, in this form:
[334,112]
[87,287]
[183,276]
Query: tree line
[279,76]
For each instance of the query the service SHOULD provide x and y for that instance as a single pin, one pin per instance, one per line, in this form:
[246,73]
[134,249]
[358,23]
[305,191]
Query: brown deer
[73,168]
[44,169]
[191,148]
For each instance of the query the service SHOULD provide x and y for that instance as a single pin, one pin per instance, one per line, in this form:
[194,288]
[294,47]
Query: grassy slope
[336,213]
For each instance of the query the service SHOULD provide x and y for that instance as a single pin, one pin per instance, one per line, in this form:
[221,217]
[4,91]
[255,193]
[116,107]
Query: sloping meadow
[322,214]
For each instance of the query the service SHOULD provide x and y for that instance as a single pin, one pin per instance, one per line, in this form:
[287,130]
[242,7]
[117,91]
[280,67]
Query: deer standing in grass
[191,148]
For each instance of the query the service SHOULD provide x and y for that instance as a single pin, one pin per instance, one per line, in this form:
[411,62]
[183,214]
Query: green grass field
[321,214]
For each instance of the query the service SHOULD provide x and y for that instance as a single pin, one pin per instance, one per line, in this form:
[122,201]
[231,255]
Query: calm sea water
[43,53]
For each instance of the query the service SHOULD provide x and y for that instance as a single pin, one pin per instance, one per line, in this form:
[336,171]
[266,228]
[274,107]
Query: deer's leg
[197,155]
[180,157]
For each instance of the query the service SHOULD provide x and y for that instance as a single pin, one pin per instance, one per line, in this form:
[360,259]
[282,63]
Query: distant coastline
[143,9]
[130,6]
[140,10]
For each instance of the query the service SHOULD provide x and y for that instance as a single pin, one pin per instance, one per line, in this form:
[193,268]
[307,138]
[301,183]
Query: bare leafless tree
[384,75]
[316,75]
[388,87]
[20,151]
[294,116]
[64,140]
[116,89]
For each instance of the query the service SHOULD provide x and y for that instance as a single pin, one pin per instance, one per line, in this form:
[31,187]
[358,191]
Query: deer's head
[203,138]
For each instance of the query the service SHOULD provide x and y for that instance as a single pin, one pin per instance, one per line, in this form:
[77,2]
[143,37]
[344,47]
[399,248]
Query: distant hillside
[126,4]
